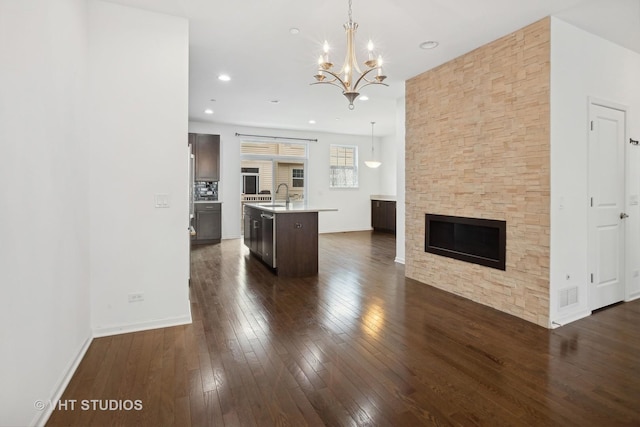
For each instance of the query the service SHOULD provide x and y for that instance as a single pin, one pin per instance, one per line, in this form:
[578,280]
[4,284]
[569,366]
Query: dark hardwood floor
[357,345]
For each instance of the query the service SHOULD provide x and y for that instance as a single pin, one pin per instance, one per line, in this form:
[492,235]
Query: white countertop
[293,207]
[382,197]
[208,201]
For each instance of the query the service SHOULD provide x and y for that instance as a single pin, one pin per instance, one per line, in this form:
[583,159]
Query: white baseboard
[399,260]
[232,237]
[568,319]
[340,230]
[42,418]
[632,297]
[142,326]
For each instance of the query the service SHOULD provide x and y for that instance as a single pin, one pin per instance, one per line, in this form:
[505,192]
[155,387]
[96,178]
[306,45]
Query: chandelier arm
[369,83]
[337,77]
[362,76]
[328,83]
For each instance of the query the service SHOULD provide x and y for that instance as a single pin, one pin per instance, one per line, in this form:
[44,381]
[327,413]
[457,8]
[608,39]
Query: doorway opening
[267,166]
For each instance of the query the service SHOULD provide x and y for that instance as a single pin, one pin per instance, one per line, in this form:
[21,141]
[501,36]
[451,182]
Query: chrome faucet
[287,195]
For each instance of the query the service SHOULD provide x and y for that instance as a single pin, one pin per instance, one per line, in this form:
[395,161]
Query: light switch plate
[633,200]
[161,200]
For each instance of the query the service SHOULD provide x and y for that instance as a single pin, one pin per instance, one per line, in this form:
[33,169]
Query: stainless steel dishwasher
[268,239]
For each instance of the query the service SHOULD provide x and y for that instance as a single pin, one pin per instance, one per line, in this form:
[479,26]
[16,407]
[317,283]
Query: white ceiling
[250,41]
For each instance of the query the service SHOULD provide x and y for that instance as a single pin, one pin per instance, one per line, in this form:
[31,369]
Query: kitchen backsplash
[205,190]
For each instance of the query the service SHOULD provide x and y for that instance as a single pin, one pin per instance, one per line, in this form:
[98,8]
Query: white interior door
[607,211]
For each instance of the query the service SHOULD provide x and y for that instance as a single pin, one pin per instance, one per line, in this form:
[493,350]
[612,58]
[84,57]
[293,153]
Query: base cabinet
[286,242]
[383,216]
[268,239]
[253,230]
[297,244]
[208,223]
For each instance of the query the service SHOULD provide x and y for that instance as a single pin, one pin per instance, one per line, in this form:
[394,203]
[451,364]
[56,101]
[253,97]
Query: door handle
[623,215]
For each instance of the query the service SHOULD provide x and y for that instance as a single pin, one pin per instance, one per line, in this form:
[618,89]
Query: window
[273,149]
[266,165]
[297,176]
[343,166]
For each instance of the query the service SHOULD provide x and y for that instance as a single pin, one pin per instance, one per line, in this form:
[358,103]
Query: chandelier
[350,71]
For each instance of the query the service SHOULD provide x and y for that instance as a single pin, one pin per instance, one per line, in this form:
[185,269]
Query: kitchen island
[284,236]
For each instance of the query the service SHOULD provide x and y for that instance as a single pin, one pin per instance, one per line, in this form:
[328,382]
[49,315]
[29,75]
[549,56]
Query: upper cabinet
[206,149]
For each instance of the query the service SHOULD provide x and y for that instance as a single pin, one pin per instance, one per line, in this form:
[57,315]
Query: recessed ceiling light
[312,122]
[208,111]
[364,98]
[294,31]
[224,77]
[431,44]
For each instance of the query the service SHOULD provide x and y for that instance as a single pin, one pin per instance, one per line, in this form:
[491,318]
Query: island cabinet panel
[297,244]
[247,229]
[252,230]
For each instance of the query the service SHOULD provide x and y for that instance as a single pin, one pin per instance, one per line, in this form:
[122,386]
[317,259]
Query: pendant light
[373,163]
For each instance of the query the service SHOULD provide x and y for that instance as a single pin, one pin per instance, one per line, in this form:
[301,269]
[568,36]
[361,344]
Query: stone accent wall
[477,145]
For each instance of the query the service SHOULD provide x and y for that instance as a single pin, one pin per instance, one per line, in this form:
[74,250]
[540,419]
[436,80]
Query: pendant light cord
[372,153]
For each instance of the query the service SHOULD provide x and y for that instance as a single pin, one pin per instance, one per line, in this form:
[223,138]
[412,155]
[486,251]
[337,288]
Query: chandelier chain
[350,18]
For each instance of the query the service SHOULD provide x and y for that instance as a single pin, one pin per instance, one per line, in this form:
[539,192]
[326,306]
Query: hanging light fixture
[372,163]
[350,71]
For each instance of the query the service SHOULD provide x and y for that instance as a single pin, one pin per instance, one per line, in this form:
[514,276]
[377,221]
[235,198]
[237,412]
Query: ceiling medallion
[350,71]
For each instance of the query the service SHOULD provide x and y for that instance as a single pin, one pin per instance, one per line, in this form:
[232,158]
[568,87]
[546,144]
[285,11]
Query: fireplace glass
[476,240]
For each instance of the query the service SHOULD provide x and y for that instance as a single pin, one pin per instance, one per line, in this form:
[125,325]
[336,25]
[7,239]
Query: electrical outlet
[137,297]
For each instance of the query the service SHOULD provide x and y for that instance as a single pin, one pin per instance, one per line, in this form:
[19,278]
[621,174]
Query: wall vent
[568,296]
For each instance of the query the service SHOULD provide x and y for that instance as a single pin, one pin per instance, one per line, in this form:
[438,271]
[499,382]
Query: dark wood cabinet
[247,228]
[253,230]
[286,242]
[297,244]
[256,235]
[208,223]
[383,215]
[206,149]
[267,238]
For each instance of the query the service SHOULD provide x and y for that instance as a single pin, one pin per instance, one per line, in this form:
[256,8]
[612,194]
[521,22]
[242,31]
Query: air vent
[568,296]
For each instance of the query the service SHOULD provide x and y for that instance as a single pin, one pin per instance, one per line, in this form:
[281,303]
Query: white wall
[583,66]
[138,66]
[400,180]
[44,228]
[386,153]
[354,206]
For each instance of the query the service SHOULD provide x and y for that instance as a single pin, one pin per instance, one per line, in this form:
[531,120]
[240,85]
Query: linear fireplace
[476,240]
